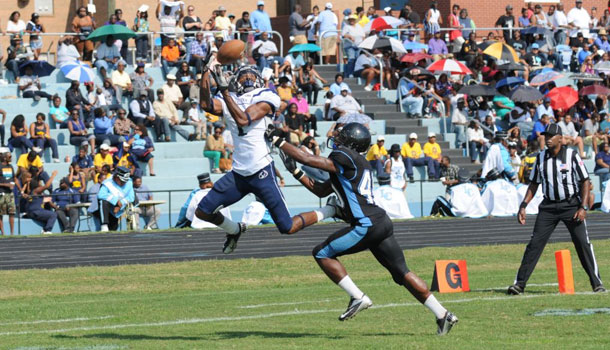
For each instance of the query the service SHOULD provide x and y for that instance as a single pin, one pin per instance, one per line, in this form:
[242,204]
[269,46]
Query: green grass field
[287,303]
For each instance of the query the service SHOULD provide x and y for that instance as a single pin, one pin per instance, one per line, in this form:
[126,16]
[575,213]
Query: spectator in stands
[79,135]
[222,22]
[7,197]
[40,136]
[142,148]
[266,52]
[166,111]
[376,156]
[15,24]
[198,51]
[433,20]
[19,135]
[366,68]
[122,125]
[62,197]
[507,21]
[437,47]
[298,26]
[544,108]
[174,94]
[103,158]
[215,149]
[191,23]
[103,128]
[591,132]
[295,124]
[539,128]
[31,162]
[168,20]
[17,56]
[303,109]
[195,120]
[32,192]
[149,213]
[107,56]
[114,196]
[344,104]
[432,150]
[127,160]
[59,114]
[602,163]
[459,120]
[327,22]
[570,135]
[141,81]
[85,166]
[141,25]
[338,85]
[76,100]
[170,57]
[141,112]
[261,22]
[100,97]
[184,79]
[285,92]
[498,158]
[83,24]
[477,143]
[33,28]
[109,100]
[353,34]
[412,156]
[579,21]
[413,103]
[243,26]
[528,162]
[29,85]
[121,82]
[449,173]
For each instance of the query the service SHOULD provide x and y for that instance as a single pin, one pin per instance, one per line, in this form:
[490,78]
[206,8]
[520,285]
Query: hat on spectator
[170,76]
[231,15]
[380,138]
[204,178]
[194,101]
[431,135]
[143,8]
[105,147]
[4,150]
[347,12]
[535,46]
[580,35]
[35,15]
[537,6]
[260,3]
[143,93]
[121,62]
[577,1]
[602,32]
[329,5]
[141,64]
[160,91]
[299,91]
[221,8]
[354,17]
[412,136]
[387,9]
[395,148]
[509,7]
[547,99]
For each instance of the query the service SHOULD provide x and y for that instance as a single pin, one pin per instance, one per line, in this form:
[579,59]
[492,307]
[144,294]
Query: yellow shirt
[222,23]
[121,80]
[411,152]
[23,162]
[100,161]
[375,151]
[285,93]
[363,21]
[432,150]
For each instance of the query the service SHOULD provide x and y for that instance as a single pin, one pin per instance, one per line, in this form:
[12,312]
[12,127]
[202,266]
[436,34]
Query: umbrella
[502,51]
[510,82]
[478,90]
[414,45]
[117,31]
[41,68]
[304,48]
[544,78]
[563,97]
[355,118]
[511,66]
[594,90]
[381,23]
[525,94]
[450,66]
[602,66]
[77,70]
[585,77]
[382,42]
[535,30]
[417,72]
[414,57]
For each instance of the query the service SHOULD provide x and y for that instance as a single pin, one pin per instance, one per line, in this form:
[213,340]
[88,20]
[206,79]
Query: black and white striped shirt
[560,176]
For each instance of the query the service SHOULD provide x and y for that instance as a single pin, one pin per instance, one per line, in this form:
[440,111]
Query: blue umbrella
[510,81]
[535,30]
[41,68]
[415,46]
[77,70]
[305,48]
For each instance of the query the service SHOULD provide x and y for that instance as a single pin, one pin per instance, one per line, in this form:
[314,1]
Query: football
[230,51]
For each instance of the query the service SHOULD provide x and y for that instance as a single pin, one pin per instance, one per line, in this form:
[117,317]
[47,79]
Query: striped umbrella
[414,57]
[594,89]
[382,42]
[502,51]
[563,97]
[544,78]
[449,65]
[381,23]
[77,70]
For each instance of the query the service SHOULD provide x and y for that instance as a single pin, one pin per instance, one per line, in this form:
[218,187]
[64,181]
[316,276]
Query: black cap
[552,130]
[383,179]
[204,178]
[395,148]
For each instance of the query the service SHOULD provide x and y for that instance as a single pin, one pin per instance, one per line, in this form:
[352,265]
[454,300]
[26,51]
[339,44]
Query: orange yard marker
[564,271]
[450,276]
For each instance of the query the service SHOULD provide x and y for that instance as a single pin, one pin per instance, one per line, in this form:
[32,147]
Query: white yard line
[263,316]
[62,320]
[288,303]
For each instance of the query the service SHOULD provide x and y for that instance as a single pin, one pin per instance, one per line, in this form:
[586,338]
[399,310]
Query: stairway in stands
[396,121]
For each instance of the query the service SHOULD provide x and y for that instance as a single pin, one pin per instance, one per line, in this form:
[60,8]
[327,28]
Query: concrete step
[396,128]
[365,94]
[372,101]
[381,108]
[397,116]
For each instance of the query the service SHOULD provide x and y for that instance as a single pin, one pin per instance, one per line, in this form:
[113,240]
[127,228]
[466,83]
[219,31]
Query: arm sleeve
[535,175]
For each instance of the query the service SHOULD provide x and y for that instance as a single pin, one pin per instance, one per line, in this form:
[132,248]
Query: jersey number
[366,186]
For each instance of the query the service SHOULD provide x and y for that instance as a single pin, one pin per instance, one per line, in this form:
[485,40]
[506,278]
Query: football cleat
[445,323]
[514,290]
[355,306]
[599,289]
[231,240]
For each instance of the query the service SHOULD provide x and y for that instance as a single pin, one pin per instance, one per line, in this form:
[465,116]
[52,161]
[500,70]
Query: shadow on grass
[126,337]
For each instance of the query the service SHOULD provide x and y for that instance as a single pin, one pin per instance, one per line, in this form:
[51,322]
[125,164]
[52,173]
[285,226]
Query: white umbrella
[77,70]
[382,42]
[383,22]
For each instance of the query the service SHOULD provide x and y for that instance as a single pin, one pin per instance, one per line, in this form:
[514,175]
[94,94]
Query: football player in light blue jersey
[247,106]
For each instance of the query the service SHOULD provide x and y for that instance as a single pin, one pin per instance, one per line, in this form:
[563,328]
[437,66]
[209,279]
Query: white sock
[350,287]
[229,226]
[325,212]
[436,307]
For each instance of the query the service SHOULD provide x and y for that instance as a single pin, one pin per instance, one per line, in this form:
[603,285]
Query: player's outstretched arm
[208,104]
[320,189]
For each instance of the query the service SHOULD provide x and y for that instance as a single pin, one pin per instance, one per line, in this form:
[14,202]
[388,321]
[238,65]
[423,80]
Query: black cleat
[599,289]
[231,240]
[514,290]
[355,306]
[444,324]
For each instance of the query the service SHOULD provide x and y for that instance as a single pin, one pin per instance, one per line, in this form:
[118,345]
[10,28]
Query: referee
[565,185]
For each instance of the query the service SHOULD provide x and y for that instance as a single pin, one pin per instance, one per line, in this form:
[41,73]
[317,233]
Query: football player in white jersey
[247,106]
